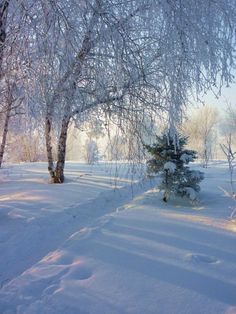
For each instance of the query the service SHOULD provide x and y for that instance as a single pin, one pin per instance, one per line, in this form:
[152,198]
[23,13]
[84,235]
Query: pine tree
[170,160]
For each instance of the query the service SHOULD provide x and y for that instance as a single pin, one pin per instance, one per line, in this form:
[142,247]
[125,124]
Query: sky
[228,95]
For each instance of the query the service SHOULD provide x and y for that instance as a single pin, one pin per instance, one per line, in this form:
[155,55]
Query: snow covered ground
[85,247]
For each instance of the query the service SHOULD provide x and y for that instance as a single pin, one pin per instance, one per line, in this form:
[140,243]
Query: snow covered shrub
[170,160]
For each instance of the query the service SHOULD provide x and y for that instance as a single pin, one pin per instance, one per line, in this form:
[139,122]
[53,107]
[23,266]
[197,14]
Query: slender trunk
[48,137]
[3,20]
[4,136]
[61,152]
[9,102]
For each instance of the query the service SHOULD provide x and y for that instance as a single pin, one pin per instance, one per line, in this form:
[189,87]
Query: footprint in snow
[201,259]
[76,273]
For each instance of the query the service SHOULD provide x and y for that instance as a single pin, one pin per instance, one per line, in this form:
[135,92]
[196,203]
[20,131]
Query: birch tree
[230,155]
[201,130]
[3,21]
[12,103]
[125,57]
[4,5]
[12,66]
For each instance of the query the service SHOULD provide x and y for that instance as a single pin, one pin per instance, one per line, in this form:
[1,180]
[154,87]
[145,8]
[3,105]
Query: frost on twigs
[230,155]
[115,58]
[232,195]
[170,161]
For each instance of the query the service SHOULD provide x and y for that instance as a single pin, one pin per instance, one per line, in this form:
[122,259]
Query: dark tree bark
[3,20]
[4,135]
[6,124]
[48,137]
[61,152]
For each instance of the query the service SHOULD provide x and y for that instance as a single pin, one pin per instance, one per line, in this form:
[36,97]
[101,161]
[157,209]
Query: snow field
[144,257]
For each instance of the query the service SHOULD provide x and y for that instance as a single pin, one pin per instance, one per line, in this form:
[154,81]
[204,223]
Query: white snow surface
[85,247]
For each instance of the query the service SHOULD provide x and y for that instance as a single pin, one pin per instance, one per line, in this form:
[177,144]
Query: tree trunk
[57,173]
[48,137]
[5,131]
[3,19]
[61,152]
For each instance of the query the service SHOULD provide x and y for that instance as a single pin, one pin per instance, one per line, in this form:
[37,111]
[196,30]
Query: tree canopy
[114,58]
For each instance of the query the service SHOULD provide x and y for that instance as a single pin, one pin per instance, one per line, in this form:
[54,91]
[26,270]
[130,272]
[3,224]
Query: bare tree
[91,153]
[11,108]
[231,165]
[200,128]
[228,124]
[231,117]
[230,155]
[11,67]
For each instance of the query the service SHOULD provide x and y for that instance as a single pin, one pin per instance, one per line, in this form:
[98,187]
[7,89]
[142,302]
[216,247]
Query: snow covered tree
[11,107]
[170,160]
[7,68]
[200,127]
[230,155]
[91,153]
[121,57]
[227,126]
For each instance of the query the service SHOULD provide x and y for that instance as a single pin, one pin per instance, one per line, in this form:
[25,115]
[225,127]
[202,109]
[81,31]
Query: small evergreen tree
[170,159]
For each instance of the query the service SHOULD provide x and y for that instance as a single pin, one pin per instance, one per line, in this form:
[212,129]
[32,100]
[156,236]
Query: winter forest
[117,181]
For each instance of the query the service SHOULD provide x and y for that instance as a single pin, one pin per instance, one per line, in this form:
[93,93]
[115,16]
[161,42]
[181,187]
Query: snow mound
[170,166]
[186,158]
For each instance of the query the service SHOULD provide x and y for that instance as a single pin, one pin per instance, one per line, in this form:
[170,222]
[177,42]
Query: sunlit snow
[83,247]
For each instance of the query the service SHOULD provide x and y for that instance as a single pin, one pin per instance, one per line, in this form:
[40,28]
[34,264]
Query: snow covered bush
[170,160]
